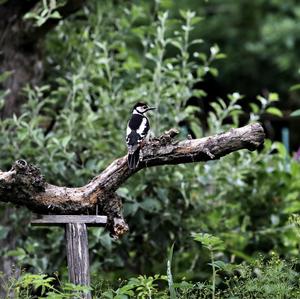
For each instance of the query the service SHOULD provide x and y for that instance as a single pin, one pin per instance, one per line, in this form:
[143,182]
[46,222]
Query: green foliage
[34,281]
[272,278]
[99,64]
[73,131]
[263,278]
[295,113]
[212,243]
[44,11]
[143,287]
[260,39]
[29,284]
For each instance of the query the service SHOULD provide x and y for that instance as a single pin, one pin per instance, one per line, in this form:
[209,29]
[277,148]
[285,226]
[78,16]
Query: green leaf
[295,87]
[254,108]
[220,56]
[176,44]
[5,75]
[3,232]
[274,111]
[295,113]
[196,41]
[273,96]
[55,15]
[19,252]
[30,15]
[65,141]
[220,264]
[130,208]
[132,63]
[209,241]
[40,21]
[196,20]
[214,71]
[199,93]
[183,13]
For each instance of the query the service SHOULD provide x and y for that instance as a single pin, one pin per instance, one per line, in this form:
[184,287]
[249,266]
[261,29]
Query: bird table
[77,243]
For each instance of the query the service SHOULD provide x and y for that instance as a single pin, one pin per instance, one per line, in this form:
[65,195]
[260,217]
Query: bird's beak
[151,108]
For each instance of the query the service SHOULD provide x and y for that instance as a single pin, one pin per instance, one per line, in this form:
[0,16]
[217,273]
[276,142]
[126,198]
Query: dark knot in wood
[20,165]
[120,228]
[29,176]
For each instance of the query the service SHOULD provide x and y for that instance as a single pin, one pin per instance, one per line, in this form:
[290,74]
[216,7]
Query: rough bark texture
[21,47]
[25,185]
[78,256]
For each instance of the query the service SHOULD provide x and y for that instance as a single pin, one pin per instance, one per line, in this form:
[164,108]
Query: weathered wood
[90,220]
[76,243]
[25,185]
[78,256]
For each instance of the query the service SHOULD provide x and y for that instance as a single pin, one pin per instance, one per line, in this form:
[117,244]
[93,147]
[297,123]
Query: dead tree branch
[25,185]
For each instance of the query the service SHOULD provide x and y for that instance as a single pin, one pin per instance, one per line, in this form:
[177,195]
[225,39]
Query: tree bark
[25,185]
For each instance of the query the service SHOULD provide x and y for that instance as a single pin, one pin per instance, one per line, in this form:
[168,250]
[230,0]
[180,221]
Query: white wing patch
[128,130]
[142,127]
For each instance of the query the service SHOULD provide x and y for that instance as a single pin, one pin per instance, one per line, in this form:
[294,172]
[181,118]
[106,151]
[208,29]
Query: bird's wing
[135,121]
[144,128]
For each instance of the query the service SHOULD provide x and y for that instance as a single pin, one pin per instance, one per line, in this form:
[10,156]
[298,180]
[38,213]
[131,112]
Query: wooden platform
[76,244]
[61,220]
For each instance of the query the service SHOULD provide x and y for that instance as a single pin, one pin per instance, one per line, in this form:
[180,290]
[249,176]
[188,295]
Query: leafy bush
[272,278]
[29,286]
[74,125]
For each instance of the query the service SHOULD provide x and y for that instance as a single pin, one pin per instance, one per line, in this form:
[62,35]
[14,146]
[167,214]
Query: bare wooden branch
[25,185]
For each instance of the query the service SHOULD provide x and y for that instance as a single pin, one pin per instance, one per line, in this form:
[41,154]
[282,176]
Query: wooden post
[78,255]
[76,243]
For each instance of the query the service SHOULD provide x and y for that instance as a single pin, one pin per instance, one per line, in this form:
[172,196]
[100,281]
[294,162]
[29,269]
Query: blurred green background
[208,66]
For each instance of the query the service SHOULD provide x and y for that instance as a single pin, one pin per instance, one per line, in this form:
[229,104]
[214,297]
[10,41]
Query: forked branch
[25,185]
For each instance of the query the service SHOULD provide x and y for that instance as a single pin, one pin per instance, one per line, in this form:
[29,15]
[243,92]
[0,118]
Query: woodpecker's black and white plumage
[137,130]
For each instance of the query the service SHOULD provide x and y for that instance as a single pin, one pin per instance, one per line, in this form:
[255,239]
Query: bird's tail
[134,158]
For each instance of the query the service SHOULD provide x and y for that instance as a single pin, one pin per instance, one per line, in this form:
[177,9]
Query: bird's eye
[145,107]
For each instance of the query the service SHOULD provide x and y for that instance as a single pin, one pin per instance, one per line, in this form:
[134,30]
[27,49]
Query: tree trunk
[21,47]
[24,63]
[18,56]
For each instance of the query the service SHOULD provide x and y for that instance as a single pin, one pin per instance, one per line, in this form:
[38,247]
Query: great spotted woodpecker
[137,130]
